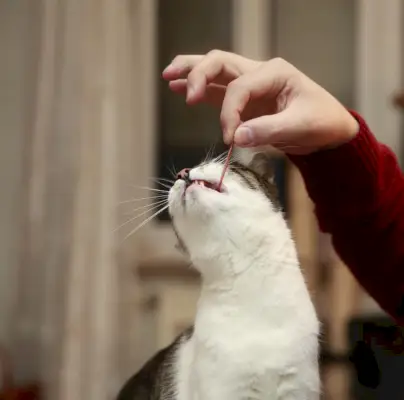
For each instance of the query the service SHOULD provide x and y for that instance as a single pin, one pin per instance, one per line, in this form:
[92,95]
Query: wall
[18,36]
[318,37]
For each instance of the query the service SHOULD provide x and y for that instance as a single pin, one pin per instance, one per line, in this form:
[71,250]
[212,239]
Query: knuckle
[215,53]
[238,85]
[280,64]
[278,61]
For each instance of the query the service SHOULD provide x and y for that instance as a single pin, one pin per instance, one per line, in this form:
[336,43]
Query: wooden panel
[171,291]
[304,226]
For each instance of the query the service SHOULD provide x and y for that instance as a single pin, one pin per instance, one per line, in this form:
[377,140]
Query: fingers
[231,81]
[198,79]
[213,94]
[217,67]
[265,130]
[268,81]
[178,86]
[181,66]
[200,71]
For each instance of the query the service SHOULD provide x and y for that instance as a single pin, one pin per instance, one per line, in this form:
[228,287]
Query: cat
[255,334]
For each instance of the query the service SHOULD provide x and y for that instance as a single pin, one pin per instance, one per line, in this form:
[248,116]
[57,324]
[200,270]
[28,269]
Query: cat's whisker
[215,159]
[209,153]
[150,206]
[204,160]
[150,188]
[165,185]
[157,179]
[145,222]
[224,157]
[169,181]
[213,150]
[157,197]
[136,217]
[221,157]
[172,170]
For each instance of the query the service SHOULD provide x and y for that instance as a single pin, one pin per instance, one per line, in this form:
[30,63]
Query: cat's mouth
[206,184]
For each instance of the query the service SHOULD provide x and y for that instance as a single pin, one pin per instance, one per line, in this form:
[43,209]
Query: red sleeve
[358,192]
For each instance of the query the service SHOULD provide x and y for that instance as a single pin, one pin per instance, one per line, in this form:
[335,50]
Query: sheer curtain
[88,136]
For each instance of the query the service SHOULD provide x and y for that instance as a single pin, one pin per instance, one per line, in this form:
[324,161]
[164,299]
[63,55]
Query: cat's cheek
[191,196]
[175,195]
[197,194]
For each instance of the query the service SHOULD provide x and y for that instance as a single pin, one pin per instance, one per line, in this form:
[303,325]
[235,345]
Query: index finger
[181,66]
[268,80]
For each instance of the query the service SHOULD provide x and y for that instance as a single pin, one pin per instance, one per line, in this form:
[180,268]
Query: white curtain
[90,134]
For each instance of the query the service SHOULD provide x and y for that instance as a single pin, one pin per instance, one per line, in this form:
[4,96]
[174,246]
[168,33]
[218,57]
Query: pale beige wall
[318,37]
[18,35]
[353,48]
[11,150]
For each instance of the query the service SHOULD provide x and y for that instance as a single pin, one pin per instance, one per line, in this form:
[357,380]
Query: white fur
[256,330]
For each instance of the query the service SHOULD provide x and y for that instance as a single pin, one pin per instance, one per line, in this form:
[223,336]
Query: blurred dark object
[186,134]
[365,365]
[8,390]
[398,100]
[377,355]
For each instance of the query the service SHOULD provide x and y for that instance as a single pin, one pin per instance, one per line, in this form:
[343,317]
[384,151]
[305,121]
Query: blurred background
[86,124]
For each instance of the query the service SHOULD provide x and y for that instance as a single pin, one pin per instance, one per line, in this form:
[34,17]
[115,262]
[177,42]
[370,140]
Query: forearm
[358,191]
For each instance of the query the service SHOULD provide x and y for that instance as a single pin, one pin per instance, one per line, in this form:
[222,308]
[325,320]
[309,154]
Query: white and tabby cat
[255,334]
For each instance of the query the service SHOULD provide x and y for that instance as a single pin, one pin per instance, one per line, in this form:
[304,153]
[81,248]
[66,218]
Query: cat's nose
[184,174]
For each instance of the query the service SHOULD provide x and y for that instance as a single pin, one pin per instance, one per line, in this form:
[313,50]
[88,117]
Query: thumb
[262,130]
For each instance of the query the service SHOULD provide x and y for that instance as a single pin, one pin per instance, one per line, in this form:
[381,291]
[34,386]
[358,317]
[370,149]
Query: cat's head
[209,222]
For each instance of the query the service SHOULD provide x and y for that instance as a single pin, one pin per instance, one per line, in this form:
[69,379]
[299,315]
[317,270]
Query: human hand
[263,103]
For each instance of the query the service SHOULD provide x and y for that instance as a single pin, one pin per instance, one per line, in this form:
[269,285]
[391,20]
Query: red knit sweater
[358,191]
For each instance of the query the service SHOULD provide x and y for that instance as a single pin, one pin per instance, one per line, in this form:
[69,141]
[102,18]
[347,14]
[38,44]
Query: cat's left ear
[261,164]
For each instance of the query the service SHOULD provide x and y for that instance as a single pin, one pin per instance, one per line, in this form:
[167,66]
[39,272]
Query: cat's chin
[202,198]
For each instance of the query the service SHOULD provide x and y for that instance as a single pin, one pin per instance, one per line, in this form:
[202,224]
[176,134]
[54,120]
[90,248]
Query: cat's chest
[241,342]
[236,367]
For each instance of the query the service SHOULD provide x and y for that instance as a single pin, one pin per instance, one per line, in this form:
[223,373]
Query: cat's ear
[261,164]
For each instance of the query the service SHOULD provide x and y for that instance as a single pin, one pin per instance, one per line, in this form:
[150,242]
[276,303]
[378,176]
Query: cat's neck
[267,287]
[249,264]
[245,272]
[259,280]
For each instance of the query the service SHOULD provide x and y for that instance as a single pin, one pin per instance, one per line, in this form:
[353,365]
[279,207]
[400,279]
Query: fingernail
[243,136]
